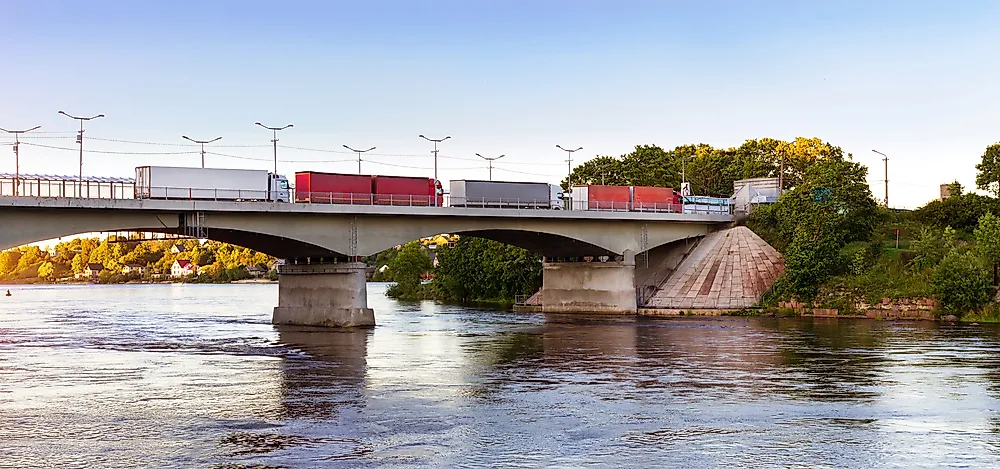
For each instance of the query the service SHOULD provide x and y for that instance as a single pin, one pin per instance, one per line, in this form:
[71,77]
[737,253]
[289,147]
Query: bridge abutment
[328,295]
[589,287]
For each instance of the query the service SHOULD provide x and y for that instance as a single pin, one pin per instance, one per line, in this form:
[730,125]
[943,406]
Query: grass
[989,314]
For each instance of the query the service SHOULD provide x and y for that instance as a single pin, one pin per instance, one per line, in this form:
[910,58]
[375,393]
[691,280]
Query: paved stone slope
[730,269]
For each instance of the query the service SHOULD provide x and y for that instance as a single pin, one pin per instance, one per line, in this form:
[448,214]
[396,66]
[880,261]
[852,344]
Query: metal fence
[57,186]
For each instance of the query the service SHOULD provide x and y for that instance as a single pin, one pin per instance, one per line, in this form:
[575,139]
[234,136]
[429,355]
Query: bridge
[589,256]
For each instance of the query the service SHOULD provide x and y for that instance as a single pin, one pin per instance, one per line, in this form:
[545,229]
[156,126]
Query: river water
[196,376]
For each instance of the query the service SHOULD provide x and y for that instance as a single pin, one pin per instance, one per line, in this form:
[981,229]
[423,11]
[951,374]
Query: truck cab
[280,191]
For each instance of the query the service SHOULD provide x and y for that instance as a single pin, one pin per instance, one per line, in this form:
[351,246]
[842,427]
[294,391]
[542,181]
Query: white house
[91,271]
[134,268]
[182,268]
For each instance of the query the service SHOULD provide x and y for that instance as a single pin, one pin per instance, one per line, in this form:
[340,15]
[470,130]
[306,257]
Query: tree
[988,170]
[46,270]
[988,241]
[960,284]
[8,262]
[477,269]
[406,269]
[955,189]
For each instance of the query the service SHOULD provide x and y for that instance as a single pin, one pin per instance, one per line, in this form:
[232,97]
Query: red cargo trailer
[403,190]
[594,197]
[333,188]
[654,199]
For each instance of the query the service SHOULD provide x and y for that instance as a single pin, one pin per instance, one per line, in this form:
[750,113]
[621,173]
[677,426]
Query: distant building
[182,268]
[134,268]
[177,249]
[945,191]
[257,271]
[92,271]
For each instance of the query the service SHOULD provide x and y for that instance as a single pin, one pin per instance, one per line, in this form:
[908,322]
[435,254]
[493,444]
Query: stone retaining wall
[901,308]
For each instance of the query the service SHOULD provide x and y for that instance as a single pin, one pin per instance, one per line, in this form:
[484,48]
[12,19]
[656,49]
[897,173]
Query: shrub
[960,284]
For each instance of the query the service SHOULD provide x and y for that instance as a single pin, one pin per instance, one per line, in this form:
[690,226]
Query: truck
[626,198]
[333,188]
[504,194]
[596,197]
[165,182]
[405,190]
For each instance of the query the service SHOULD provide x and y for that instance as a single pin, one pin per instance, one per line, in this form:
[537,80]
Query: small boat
[8,293]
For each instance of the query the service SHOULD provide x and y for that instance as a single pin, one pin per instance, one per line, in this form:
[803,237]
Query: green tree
[46,270]
[988,241]
[960,284]
[955,189]
[406,269]
[477,269]
[988,170]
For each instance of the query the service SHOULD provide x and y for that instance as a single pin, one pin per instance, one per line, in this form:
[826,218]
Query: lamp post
[569,171]
[490,160]
[202,142]
[79,140]
[274,140]
[436,142]
[359,152]
[886,160]
[17,156]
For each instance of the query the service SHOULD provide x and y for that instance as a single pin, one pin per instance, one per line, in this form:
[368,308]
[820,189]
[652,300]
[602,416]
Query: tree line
[221,261]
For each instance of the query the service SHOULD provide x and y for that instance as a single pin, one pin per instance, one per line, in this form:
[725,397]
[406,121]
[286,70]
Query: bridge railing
[53,186]
[364,198]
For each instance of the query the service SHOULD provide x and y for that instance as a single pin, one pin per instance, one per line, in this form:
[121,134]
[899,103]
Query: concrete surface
[589,287]
[328,295]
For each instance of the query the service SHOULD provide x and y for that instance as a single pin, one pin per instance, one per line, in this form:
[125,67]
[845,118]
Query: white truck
[171,183]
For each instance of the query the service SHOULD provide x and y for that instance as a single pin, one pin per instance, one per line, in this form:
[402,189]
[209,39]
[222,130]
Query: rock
[949,318]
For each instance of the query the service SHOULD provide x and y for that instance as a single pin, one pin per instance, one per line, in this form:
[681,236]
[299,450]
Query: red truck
[655,199]
[626,198]
[404,190]
[360,189]
[333,188]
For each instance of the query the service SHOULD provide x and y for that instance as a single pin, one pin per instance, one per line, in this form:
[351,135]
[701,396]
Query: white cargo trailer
[499,194]
[163,182]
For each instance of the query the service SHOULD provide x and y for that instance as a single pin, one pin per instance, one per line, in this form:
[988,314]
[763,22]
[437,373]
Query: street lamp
[79,140]
[359,152]
[886,160]
[17,157]
[491,160]
[569,171]
[202,142]
[436,182]
[274,140]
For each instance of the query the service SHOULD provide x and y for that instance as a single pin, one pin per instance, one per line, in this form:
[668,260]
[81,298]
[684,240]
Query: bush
[808,263]
[960,283]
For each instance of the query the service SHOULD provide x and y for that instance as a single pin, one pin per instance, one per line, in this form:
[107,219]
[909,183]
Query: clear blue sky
[917,80]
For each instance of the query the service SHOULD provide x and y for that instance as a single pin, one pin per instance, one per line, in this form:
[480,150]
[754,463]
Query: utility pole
[359,152]
[569,172]
[436,181]
[202,142]
[490,160]
[274,140]
[79,140]
[17,156]
[885,159]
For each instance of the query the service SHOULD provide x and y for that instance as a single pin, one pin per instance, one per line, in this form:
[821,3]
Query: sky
[917,80]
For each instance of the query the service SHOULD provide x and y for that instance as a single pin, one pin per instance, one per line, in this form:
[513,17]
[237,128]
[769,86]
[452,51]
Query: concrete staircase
[729,269]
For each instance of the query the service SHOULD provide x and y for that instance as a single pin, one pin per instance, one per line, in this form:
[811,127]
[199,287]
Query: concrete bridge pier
[590,286]
[328,295]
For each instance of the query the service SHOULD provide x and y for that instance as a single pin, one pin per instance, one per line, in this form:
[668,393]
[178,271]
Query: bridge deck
[372,210]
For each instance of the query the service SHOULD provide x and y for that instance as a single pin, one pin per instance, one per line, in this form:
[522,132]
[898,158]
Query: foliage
[477,269]
[809,262]
[931,246]
[988,170]
[960,283]
[989,314]
[406,268]
[987,235]
[46,270]
[959,212]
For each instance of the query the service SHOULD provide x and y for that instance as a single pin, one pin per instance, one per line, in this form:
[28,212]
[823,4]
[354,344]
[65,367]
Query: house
[91,271]
[182,268]
[257,271]
[134,269]
[177,249]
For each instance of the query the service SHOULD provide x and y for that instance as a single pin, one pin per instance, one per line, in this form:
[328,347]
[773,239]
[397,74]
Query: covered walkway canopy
[51,185]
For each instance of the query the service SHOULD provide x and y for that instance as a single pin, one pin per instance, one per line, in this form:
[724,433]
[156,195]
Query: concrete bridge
[590,257]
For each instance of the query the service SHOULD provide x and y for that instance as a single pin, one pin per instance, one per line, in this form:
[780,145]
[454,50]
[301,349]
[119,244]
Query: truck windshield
[283,184]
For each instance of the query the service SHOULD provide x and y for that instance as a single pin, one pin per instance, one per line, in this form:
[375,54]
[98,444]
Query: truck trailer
[164,182]
[626,198]
[501,194]
[333,188]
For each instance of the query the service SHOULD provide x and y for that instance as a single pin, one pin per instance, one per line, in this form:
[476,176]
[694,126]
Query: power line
[269,159]
[111,152]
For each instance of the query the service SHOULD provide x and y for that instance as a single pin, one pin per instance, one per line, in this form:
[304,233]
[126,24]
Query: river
[196,376]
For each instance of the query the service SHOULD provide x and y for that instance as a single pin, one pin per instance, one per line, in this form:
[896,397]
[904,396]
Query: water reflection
[325,373]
